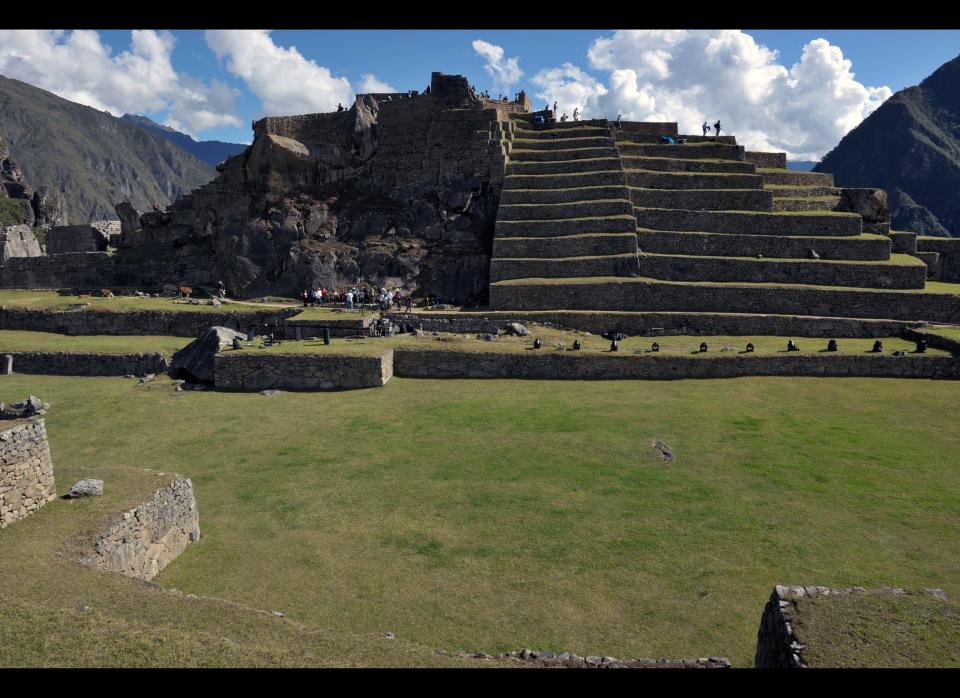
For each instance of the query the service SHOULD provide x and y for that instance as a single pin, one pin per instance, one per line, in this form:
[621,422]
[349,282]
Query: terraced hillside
[600,218]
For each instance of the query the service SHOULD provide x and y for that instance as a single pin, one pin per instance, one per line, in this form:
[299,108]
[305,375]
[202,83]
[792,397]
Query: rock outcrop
[195,361]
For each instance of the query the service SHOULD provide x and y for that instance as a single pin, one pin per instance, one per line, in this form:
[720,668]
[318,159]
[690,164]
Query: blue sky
[177,77]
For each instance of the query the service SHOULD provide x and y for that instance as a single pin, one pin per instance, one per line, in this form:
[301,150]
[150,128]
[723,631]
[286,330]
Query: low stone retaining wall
[569,365]
[771,246]
[26,471]
[632,324]
[777,160]
[949,255]
[61,363]
[250,370]
[341,327]
[138,322]
[778,646]
[933,340]
[647,296]
[748,223]
[149,537]
[704,199]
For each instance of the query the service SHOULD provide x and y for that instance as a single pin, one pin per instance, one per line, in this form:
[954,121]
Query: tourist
[619,117]
[576,114]
[706,128]
[222,289]
[339,106]
[717,126]
[554,107]
[349,300]
[564,117]
[409,302]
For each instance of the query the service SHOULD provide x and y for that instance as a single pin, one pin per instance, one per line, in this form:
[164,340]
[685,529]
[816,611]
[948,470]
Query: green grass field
[483,515]
[20,298]
[21,340]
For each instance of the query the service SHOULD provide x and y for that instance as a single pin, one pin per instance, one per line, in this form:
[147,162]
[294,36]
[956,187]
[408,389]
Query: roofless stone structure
[451,194]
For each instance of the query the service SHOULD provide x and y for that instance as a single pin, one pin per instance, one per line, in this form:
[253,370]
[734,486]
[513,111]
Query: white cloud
[370,83]
[505,73]
[704,75]
[78,66]
[285,81]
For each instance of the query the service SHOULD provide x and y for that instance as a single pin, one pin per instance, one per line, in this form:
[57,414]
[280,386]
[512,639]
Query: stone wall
[256,370]
[26,471]
[147,538]
[135,322]
[949,250]
[571,365]
[631,295]
[778,646]
[18,241]
[67,270]
[730,245]
[649,128]
[777,160]
[749,223]
[632,324]
[59,363]
[61,239]
[933,340]
[347,326]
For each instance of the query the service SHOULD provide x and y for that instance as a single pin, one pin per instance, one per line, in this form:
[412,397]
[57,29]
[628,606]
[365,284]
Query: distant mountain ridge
[211,152]
[94,158]
[910,146]
[801,165]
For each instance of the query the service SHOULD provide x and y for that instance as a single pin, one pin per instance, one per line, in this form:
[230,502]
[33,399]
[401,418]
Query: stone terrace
[701,226]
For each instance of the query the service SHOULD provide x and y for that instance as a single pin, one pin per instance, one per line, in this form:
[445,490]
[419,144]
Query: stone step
[644,139]
[703,199]
[556,155]
[569,226]
[690,151]
[801,191]
[900,272]
[650,295]
[556,196]
[750,222]
[652,179]
[526,121]
[562,143]
[681,165]
[589,245]
[877,227]
[778,160]
[573,180]
[503,268]
[560,131]
[903,242]
[795,178]
[796,203]
[931,262]
[563,166]
[859,247]
[574,209]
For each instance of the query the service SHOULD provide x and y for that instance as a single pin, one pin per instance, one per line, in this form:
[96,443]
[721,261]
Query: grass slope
[490,515]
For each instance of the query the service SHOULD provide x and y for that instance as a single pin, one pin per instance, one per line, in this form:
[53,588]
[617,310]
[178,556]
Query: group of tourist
[349,297]
[706,127]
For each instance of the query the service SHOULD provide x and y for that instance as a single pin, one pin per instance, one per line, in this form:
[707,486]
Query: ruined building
[449,194]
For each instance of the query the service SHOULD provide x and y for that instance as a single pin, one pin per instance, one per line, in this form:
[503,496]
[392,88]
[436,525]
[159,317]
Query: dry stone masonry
[26,470]
[147,538]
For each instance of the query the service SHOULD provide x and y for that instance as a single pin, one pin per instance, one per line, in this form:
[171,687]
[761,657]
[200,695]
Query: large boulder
[870,203]
[195,361]
[129,217]
[49,206]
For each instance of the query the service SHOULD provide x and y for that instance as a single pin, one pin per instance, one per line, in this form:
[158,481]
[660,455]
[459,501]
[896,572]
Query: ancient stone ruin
[26,470]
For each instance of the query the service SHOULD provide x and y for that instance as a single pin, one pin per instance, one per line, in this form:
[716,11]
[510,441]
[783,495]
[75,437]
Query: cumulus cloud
[704,75]
[370,83]
[78,66]
[505,73]
[285,81]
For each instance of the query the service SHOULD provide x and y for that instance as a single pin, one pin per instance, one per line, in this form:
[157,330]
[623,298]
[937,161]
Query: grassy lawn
[878,630]
[29,298]
[18,340]
[949,331]
[484,515]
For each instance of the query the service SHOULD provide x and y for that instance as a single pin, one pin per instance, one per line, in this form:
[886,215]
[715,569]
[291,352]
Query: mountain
[801,165]
[95,159]
[910,146]
[211,152]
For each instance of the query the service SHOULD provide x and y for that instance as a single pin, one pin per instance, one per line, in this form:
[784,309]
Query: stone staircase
[565,210]
[599,219]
